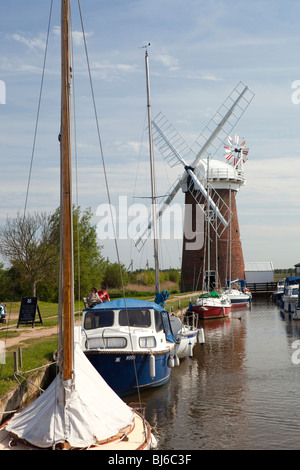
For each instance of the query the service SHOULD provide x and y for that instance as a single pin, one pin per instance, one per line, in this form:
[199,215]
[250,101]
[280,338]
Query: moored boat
[238,294]
[130,343]
[186,333]
[276,295]
[290,294]
[289,297]
[186,336]
[211,305]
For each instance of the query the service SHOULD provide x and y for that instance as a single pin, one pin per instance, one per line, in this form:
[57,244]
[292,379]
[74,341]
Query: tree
[89,264]
[31,245]
[112,277]
[27,243]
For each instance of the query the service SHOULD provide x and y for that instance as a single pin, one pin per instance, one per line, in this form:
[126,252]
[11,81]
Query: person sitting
[104,297]
[93,298]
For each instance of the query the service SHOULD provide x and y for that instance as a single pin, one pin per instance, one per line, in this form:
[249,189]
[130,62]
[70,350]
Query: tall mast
[154,221]
[66,233]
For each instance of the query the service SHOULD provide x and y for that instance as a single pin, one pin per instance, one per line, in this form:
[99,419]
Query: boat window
[167,323]
[135,317]
[147,342]
[158,321]
[110,342]
[295,291]
[100,319]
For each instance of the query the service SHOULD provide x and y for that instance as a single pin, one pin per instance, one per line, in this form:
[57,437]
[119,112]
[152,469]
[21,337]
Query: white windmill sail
[175,150]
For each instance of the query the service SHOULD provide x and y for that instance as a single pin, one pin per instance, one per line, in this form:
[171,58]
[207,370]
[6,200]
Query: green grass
[35,353]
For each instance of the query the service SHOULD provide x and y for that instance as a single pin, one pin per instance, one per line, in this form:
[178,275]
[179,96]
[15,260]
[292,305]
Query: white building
[260,271]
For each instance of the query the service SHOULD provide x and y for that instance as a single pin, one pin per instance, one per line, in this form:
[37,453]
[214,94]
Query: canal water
[241,389]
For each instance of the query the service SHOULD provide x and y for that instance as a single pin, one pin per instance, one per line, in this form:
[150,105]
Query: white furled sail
[81,413]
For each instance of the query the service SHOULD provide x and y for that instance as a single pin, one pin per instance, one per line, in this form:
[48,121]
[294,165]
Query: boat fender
[176,361]
[153,442]
[171,362]
[152,366]
[190,349]
[200,336]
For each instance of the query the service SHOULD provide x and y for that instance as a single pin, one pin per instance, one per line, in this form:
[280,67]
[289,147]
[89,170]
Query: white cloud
[32,43]
[167,61]
[77,36]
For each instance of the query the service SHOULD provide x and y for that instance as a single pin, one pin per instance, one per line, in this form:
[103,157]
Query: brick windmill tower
[222,258]
[206,184]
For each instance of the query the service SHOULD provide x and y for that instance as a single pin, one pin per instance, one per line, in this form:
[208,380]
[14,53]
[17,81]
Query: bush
[112,277]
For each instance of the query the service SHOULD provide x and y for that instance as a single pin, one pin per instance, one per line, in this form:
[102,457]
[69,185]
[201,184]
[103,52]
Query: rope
[38,110]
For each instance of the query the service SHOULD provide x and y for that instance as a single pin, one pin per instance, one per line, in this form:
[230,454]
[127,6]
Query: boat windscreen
[135,317]
[100,319]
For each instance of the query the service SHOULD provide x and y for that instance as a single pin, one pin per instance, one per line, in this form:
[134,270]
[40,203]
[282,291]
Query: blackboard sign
[28,310]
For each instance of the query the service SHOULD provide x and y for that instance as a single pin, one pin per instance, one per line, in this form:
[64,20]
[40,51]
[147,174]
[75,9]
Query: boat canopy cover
[209,294]
[127,303]
[292,279]
[81,413]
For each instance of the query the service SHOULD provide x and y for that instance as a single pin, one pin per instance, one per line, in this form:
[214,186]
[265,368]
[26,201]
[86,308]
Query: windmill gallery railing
[225,174]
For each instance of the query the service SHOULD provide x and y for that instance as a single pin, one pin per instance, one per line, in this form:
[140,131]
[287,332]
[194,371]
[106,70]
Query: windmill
[201,181]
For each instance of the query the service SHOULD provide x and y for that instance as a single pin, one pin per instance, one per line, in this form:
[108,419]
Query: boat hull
[127,372]
[239,302]
[187,343]
[288,304]
[207,312]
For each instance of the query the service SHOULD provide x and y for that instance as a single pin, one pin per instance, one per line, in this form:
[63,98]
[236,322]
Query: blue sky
[199,51]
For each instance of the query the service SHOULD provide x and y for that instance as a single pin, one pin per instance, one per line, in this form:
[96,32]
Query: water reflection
[239,391]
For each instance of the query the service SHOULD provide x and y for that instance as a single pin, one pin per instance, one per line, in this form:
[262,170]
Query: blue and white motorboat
[276,295]
[130,343]
[290,294]
[289,298]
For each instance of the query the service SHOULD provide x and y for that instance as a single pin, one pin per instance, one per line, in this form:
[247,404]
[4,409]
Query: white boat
[78,410]
[290,297]
[276,295]
[186,336]
[238,294]
[296,314]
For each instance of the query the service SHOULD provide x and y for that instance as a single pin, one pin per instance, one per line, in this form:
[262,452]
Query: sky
[200,50]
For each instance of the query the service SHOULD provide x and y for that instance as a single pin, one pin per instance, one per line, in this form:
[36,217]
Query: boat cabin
[112,326]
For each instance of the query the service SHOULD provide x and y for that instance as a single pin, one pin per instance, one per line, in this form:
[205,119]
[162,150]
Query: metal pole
[154,222]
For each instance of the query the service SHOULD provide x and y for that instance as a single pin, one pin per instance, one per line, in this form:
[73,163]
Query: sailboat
[210,304]
[129,341]
[237,292]
[185,334]
[236,289]
[78,410]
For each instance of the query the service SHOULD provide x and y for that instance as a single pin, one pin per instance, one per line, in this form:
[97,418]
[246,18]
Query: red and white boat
[212,305]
